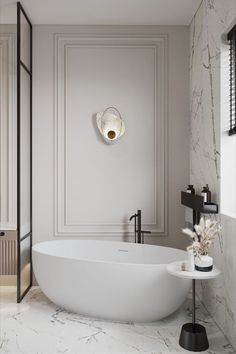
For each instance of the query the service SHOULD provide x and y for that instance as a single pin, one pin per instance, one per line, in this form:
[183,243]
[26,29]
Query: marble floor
[37,326]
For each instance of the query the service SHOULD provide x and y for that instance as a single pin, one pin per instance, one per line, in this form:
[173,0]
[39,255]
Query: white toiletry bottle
[191,263]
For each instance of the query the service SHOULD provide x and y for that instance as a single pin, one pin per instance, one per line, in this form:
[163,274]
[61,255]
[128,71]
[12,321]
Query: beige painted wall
[176,149]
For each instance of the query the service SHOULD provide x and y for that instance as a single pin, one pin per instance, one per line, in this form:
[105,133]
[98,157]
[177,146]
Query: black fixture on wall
[24,239]
[196,203]
[232,65]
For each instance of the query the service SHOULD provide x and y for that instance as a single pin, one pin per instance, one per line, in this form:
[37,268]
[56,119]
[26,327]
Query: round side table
[193,336]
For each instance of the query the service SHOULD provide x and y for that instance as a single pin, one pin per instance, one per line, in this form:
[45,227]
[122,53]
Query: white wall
[81,187]
[208,134]
[8,127]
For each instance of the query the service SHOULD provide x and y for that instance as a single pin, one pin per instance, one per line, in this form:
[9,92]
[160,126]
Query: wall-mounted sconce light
[110,124]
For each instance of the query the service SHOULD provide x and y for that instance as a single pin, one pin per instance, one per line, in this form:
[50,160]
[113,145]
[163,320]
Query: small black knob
[2,233]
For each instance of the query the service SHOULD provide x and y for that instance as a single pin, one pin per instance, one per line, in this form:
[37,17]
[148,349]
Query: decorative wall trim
[62,44]
[7,133]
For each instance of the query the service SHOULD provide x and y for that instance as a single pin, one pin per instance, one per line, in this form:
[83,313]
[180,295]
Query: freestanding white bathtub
[110,280]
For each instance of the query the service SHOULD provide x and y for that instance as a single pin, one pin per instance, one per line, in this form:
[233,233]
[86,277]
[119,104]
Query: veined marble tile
[37,326]
[212,20]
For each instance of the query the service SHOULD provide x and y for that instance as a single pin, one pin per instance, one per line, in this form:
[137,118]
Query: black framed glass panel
[25,41]
[24,153]
[25,163]
[25,274]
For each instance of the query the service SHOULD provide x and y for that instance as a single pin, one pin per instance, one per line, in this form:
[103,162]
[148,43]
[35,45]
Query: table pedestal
[193,336]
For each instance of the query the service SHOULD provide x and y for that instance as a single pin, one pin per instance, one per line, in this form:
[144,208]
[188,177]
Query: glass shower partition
[8,151]
[24,153]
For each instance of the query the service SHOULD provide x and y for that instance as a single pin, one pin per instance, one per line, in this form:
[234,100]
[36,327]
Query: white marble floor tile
[37,326]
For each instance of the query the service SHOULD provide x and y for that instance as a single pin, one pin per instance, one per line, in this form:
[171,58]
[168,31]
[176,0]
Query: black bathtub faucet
[138,232]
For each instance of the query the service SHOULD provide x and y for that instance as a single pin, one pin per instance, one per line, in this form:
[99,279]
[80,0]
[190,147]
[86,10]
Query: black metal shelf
[196,202]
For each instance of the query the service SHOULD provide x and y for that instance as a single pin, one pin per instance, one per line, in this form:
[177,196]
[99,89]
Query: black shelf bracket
[196,203]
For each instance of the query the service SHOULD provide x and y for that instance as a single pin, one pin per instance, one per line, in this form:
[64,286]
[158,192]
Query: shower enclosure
[16,148]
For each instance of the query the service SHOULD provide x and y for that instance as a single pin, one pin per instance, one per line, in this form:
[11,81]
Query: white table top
[175,269]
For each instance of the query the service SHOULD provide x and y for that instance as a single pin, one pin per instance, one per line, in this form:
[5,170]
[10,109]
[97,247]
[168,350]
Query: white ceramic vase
[203,263]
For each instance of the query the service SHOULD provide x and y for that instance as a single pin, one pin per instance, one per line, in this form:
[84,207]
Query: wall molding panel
[7,133]
[70,49]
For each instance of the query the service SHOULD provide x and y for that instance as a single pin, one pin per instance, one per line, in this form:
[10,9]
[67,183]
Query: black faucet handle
[143,232]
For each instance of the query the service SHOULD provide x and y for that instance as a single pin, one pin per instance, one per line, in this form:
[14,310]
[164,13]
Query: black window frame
[232,68]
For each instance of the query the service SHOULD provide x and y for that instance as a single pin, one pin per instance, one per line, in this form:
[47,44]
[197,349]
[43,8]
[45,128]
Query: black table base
[193,337]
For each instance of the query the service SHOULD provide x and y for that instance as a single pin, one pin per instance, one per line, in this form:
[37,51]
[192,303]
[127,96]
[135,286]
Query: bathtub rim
[34,250]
